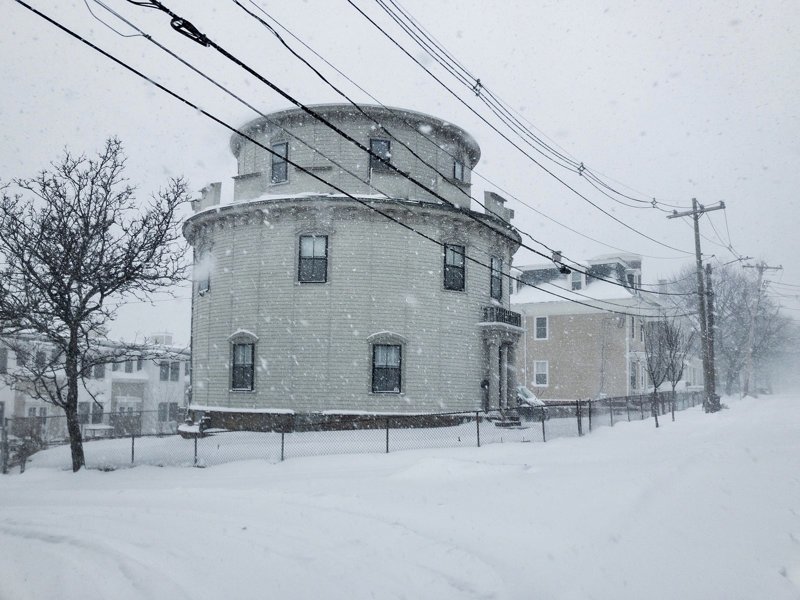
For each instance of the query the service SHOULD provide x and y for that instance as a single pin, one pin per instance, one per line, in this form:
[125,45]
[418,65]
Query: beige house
[390,302]
[575,346]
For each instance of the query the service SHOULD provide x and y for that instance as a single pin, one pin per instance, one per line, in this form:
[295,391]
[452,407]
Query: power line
[355,142]
[504,136]
[433,48]
[149,38]
[401,117]
[195,33]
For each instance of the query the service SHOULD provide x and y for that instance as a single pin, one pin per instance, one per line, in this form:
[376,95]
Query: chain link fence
[144,438]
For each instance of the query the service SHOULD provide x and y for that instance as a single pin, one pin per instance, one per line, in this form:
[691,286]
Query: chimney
[495,205]
[209,196]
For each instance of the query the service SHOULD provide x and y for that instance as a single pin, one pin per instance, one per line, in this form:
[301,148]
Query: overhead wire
[500,108]
[231,128]
[385,129]
[477,172]
[152,40]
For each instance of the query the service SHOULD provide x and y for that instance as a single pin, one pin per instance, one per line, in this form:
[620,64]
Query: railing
[498,314]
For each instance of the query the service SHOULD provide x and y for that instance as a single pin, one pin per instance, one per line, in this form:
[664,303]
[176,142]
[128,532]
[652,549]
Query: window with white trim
[242,367]
[541,373]
[540,328]
[496,279]
[387,368]
[312,266]
[280,166]
[379,148]
[458,170]
[577,280]
[454,267]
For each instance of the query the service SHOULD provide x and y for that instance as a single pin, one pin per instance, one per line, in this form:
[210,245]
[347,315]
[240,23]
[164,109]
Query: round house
[335,284]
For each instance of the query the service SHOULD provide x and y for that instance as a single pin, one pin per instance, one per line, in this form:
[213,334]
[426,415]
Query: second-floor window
[99,371]
[280,166]
[454,267]
[3,361]
[313,263]
[541,328]
[577,280]
[174,371]
[496,279]
[380,149]
[163,371]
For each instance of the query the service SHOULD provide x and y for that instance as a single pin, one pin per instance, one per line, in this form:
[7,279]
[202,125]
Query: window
[641,331]
[313,264]
[97,413]
[115,366]
[630,280]
[540,373]
[22,357]
[83,412]
[202,272]
[454,267]
[129,366]
[633,370]
[187,367]
[174,371]
[383,149]
[540,332]
[41,360]
[163,374]
[386,368]
[167,411]
[577,280]
[280,166]
[496,279]
[3,361]
[458,170]
[633,327]
[99,371]
[139,363]
[242,367]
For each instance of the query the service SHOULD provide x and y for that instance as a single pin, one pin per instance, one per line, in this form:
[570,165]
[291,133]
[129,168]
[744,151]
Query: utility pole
[751,338]
[710,403]
[711,333]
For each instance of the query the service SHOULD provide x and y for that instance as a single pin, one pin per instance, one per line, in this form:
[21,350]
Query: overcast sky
[671,100]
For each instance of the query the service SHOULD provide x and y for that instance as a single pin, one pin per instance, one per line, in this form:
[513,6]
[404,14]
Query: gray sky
[670,100]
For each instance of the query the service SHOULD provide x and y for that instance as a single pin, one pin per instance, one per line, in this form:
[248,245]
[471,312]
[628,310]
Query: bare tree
[74,244]
[679,342]
[656,354]
[737,306]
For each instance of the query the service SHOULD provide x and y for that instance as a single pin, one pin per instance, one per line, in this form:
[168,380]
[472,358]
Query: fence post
[478,427]
[589,402]
[133,442]
[195,451]
[387,436]
[4,443]
[544,434]
[283,436]
[641,406]
[578,416]
[628,408]
[611,412]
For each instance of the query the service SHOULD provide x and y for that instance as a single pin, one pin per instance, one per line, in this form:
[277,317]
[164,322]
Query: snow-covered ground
[707,507]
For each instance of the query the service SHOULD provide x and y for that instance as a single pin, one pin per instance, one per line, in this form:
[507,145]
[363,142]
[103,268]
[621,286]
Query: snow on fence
[131,439]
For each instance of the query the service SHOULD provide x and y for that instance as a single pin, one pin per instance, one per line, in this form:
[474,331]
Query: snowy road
[707,507]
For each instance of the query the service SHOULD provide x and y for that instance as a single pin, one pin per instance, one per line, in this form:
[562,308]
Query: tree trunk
[71,407]
[75,438]
[654,406]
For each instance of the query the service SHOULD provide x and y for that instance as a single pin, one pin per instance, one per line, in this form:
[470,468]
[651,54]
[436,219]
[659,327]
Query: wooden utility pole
[710,402]
[751,338]
[711,332]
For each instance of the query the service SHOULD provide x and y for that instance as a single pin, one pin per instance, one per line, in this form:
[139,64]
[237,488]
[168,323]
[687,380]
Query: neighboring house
[308,301]
[573,351]
[154,387]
